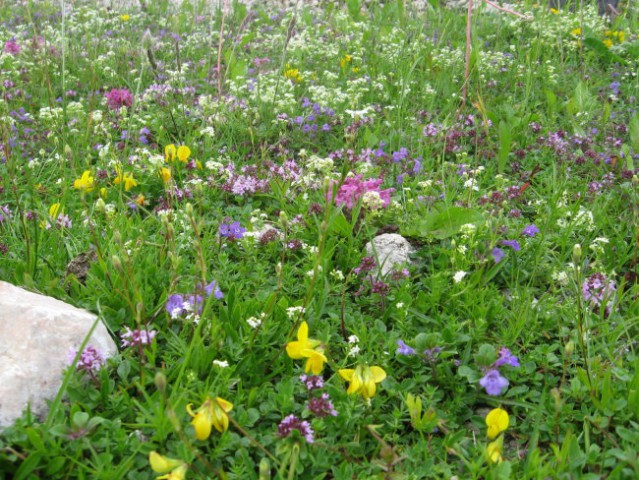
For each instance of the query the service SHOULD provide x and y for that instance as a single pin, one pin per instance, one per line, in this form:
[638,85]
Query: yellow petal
[315,362]
[161,464]
[183,153]
[346,373]
[497,421]
[294,350]
[54,210]
[378,374]
[224,404]
[302,333]
[202,425]
[169,152]
[177,474]
[494,450]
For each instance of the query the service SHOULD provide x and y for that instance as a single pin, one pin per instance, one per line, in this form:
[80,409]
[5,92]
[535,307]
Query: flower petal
[378,374]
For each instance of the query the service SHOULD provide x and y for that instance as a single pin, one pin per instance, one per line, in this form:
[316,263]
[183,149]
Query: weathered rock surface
[36,334]
[390,250]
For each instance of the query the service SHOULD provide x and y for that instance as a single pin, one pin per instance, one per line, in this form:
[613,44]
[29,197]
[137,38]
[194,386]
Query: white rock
[390,250]
[36,334]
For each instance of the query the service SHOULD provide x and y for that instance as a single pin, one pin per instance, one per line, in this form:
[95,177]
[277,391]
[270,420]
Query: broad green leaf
[444,223]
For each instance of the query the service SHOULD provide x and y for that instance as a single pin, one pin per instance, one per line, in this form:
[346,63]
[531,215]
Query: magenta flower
[291,423]
[118,98]
[354,188]
[11,47]
[322,406]
[90,361]
[133,338]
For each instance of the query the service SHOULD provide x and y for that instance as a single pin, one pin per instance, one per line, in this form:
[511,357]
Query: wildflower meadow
[217,169]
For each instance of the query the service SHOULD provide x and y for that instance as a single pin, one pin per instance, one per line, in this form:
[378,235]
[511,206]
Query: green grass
[310,99]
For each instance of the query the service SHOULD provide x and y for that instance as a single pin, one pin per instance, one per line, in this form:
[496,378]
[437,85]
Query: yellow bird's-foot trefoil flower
[212,413]
[183,153]
[497,421]
[295,349]
[85,182]
[172,468]
[363,379]
[315,360]
[128,180]
[170,151]
[493,450]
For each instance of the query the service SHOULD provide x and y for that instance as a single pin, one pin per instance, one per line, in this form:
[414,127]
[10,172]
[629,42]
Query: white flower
[353,339]
[459,276]
[560,277]
[293,312]
[354,350]
[399,305]
[337,275]
[221,363]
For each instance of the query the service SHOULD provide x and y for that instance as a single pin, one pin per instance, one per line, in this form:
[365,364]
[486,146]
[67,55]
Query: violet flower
[493,382]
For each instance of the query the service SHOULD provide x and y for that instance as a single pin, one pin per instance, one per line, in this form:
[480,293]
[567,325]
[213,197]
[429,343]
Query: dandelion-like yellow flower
[345,60]
[125,17]
[85,182]
[293,74]
[497,421]
[212,413]
[576,32]
[297,349]
[363,379]
[120,177]
[183,153]
[170,151]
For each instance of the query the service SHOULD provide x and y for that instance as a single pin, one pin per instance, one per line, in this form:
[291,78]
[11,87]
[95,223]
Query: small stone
[390,250]
[36,334]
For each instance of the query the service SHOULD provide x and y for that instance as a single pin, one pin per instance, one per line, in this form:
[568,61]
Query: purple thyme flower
[90,361]
[118,98]
[597,289]
[312,382]
[403,349]
[497,254]
[322,406]
[530,230]
[133,338]
[514,244]
[366,265]
[5,213]
[506,358]
[291,423]
[493,382]
[11,47]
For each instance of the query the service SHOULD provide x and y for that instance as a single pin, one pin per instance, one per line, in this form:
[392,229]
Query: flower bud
[160,381]
[100,206]
[576,254]
[117,264]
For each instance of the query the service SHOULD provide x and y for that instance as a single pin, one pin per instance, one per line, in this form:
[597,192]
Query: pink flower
[12,47]
[354,188]
[118,98]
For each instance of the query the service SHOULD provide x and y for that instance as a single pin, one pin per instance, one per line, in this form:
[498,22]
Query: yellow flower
[292,74]
[85,182]
[295,349]
[183,153]
[363,379]
[169,152]
[494,450]
[554,11]
[497,421]
[177,474]
[54,210]
[103,192]
[315,362]
[212,413]
[607,42]
[129,181]
[345,60]
[576,32]
[161,464]
[125,17]
[140,200]
[165,173]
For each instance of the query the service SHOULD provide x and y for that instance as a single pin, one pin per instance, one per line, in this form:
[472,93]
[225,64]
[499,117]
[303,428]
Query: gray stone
[390,250]
[36,334]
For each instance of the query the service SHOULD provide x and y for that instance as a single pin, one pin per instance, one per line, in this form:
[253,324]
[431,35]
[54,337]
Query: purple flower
[497,254]
[322,406]
[11,47]
[597,289]
[175,305]
[312,382]
[291,423]
[530,230]
[493,382]
[232,231]
[5,213]
[514,244]
[133,338]
[506,358]
[90,361]
[403,349]
[118,98]
[213,288]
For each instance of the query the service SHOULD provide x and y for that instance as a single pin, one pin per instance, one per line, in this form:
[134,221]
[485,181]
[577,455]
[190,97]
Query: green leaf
[603,52]
[505,144]
[443,224]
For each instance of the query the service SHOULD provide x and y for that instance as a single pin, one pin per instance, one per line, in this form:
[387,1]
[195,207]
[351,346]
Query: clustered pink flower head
[119,97]
[354,188]
[11,47]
